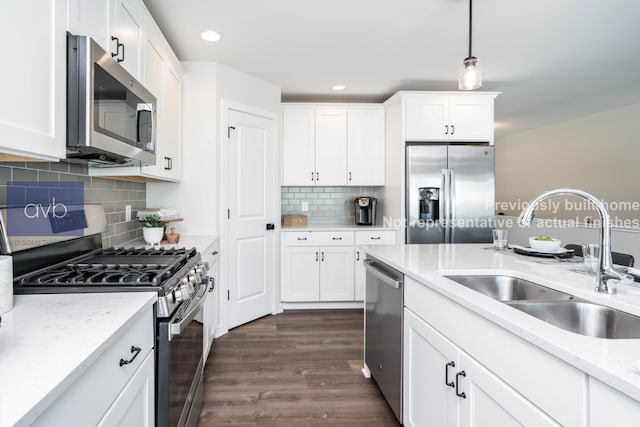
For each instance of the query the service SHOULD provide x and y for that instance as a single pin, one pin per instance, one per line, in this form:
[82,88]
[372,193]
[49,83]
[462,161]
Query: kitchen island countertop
[48,341]
[615,362]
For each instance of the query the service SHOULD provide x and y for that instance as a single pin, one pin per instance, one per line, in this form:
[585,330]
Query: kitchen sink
[583,318]
[507,288]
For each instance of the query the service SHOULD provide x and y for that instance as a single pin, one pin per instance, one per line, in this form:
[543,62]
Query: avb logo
[56,210]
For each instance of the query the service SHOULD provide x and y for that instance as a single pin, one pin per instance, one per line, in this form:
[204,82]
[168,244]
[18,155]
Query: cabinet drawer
[319,238]
[89,397]
[211,254]
[372,237]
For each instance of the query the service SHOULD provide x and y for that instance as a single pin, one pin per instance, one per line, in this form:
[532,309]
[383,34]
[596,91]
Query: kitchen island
[47,342]
[531,357]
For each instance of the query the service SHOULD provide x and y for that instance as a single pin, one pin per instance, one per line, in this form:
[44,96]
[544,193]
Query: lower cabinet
[208,315]
[110,392]
[444,386]
[323,273]
[324,266]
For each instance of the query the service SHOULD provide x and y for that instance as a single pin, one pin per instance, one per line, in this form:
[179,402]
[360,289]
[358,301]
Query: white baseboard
[322,305]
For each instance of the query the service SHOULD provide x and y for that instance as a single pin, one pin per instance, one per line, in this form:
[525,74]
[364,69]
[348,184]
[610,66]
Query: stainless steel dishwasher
[383,330]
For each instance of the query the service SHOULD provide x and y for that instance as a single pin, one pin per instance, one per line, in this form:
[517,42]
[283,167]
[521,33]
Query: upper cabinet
[449,116]
[33,111]
[126,29]
[332,144]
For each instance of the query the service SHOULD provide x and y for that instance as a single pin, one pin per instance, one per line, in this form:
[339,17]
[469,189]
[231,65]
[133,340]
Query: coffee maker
[365,210]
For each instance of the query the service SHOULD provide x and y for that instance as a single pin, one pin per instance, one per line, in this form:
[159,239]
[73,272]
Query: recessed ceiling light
[338,88]
[211,36]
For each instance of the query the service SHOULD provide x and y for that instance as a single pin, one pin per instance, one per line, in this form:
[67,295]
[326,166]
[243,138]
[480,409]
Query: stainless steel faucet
[606,276]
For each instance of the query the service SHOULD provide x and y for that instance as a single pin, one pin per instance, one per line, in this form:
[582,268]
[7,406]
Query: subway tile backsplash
[114,194]
[327,205]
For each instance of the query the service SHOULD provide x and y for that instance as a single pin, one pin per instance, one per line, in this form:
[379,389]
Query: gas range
[173,273]
[67,257]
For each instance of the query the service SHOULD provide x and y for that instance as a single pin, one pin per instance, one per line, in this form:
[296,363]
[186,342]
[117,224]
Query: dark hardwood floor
[298,368]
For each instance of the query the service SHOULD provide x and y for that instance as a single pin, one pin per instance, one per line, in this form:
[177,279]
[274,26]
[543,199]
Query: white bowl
[549,246]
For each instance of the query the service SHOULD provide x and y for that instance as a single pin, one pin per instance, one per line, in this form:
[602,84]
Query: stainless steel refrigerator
[450,193]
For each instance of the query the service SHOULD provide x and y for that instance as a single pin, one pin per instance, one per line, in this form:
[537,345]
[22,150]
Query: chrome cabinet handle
[375,238]
[460,374]
[349,176]
[312,176]
[446,373]
[317,176]
[136,351]
[316,256]
[446,129]
[357,255]
[212,280]
[336,238]
[302,238]
[322,256]
[453,129]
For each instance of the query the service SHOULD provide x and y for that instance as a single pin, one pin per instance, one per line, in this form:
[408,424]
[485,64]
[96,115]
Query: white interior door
[251,196]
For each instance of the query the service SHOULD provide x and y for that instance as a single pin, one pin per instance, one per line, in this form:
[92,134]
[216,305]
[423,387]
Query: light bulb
[471,74]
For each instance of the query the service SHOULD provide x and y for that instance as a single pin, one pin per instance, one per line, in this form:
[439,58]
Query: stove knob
[182,293]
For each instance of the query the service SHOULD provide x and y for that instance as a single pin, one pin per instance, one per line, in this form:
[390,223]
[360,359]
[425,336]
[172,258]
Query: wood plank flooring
[298,368]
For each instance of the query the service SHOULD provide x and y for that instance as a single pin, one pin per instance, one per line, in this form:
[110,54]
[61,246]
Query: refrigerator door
[472,193]
[426,173]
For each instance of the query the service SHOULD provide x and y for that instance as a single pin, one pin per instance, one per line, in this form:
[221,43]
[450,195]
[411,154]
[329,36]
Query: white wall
[195,197]
[205,85]
[598,153]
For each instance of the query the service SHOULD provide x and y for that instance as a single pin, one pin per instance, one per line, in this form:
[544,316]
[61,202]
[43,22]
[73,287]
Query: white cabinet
[444,386]
[335,144]
[210,309]
[336,273]
[609,407]
[331,146]
[368,237]
[117,388]
[506,381]
[365,149]
[33,111]
[318,266]
[449,116]
[160,72]
[90,18]
[126,29]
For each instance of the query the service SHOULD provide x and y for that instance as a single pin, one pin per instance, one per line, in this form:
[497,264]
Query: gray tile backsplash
[114,194]
[327,205]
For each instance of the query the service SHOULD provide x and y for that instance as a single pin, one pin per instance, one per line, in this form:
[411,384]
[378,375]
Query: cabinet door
[471,118]
[331,146]
[609,407]
[90,18]
[134,406]
[298,146]
[153,68]
[365,152]
[425,118]
[336,273]
[33,79]
[430,360]
[211,309]
[172,114]
[301,274]
[490,401]
[126,25]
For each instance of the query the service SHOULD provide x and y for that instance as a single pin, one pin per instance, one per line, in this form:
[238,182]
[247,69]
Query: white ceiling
[552,59]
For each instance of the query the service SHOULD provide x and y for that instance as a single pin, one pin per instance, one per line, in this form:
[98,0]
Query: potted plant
[153,229]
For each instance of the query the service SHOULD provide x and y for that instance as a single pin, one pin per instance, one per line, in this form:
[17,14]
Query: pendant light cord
[470,26]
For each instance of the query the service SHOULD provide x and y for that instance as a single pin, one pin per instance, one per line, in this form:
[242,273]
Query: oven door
[180,365]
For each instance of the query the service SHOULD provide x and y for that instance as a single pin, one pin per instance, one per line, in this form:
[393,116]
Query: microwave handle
[146,108]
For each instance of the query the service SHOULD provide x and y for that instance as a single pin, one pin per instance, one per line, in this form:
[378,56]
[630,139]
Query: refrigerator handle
[443,210]
[445,199]
[452,194]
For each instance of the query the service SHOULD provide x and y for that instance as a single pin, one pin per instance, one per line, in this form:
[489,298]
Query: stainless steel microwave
[111,117]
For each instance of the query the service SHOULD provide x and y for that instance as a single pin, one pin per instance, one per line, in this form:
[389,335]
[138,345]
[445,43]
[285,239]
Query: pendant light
[471,74]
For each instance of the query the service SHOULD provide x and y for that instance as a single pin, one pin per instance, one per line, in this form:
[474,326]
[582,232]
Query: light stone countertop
[48,341]
[615,362]
[335,227]
[186,241]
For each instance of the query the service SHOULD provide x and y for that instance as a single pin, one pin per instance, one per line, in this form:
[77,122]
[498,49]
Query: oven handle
[177,327]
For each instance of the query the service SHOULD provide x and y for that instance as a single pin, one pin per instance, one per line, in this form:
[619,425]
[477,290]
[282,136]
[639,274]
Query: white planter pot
[152,235]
